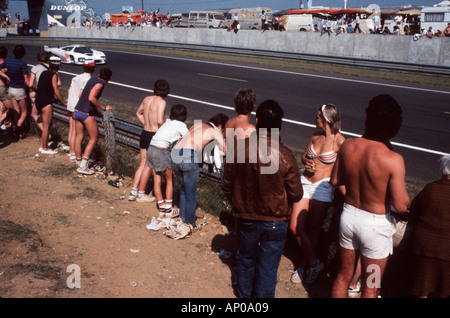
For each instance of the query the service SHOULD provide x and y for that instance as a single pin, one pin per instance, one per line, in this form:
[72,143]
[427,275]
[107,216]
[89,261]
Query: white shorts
[17,93]
[320,191]
[365,231]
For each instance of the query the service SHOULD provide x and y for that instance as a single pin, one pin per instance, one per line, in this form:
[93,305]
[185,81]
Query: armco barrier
[435,51]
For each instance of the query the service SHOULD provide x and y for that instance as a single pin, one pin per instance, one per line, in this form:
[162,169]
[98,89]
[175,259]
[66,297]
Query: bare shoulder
[346,143]
[340,139]
[316,135]
[230,123]
[147,100]
[394,158]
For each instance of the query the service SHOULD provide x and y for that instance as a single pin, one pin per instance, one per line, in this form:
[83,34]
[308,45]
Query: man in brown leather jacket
[262,182]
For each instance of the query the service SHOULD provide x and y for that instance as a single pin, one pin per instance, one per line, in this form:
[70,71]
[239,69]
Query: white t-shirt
[77,85]
[38,69]
[168,133]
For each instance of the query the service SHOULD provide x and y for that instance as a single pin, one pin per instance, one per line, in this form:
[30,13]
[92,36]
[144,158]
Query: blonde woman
[318,158]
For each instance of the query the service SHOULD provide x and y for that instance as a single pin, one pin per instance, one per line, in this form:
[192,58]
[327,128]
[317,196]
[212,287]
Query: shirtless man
[374,180]
[186,155]
[151,114]
[447,30]
[240,126]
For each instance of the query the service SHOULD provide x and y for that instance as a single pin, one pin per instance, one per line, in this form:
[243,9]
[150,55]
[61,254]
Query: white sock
[84,162]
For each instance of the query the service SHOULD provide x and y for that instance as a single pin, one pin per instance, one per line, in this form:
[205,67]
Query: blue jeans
[187,172]
[261,245]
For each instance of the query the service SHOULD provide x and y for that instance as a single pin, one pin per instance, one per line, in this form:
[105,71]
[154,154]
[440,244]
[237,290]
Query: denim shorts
[321,190]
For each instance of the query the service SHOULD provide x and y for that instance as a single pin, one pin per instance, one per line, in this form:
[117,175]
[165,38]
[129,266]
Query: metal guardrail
[128,135]
[306,57]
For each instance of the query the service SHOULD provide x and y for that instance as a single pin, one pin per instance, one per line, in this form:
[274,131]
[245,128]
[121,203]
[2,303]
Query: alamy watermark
[263,147]
[74,279]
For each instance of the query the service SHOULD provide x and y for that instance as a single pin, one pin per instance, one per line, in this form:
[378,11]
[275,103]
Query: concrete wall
[434,51]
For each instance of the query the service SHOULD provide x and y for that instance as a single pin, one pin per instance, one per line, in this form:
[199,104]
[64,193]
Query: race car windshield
[83,50]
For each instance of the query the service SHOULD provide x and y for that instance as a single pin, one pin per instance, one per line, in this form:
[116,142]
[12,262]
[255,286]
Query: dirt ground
[51,219]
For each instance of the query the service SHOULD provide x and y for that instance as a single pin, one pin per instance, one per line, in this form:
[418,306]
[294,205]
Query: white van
[297,22]
[205,19]
[180,20]
[436,17]
[249,18]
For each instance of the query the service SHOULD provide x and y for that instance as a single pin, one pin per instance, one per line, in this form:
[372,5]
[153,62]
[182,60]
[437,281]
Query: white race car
[76,54]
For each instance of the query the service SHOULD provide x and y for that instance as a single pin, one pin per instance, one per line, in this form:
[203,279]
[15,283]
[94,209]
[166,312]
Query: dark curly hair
[383,116]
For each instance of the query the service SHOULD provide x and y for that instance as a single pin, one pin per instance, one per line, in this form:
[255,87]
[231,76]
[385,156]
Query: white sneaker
[173,214]
[49,152]
[145,198]
[313,273]
[85,170]
[297,276]
[353,293]
[132,197]
[3,127]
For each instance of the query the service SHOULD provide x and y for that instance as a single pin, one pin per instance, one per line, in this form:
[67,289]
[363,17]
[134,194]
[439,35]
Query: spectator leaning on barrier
[47,88]
[76,87]
[188,153]
[84,116]
[350,28]
[158,158]
[447,30]
[36,71]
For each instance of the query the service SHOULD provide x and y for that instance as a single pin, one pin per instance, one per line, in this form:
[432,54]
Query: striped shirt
[17,69]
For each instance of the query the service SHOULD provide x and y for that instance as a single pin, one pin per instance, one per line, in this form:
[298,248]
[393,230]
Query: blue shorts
[80,116]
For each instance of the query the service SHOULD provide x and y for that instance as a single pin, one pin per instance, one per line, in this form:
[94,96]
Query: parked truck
[249,18]
[205,19]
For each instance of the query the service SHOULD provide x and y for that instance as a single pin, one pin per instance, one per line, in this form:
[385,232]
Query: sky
[182,6]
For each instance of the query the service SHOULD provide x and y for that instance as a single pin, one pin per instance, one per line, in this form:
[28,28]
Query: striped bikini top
[326,157]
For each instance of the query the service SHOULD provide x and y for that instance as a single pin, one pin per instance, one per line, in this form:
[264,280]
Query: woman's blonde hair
[331,115]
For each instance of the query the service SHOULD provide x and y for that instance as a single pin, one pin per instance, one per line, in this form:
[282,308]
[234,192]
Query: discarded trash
[157,223]
[113,183]
[134,251]
[121,197]
[64,147]
[133,284]
[179,230]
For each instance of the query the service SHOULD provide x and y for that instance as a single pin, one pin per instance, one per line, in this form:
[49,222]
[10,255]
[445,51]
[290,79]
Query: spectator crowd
[262,179]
